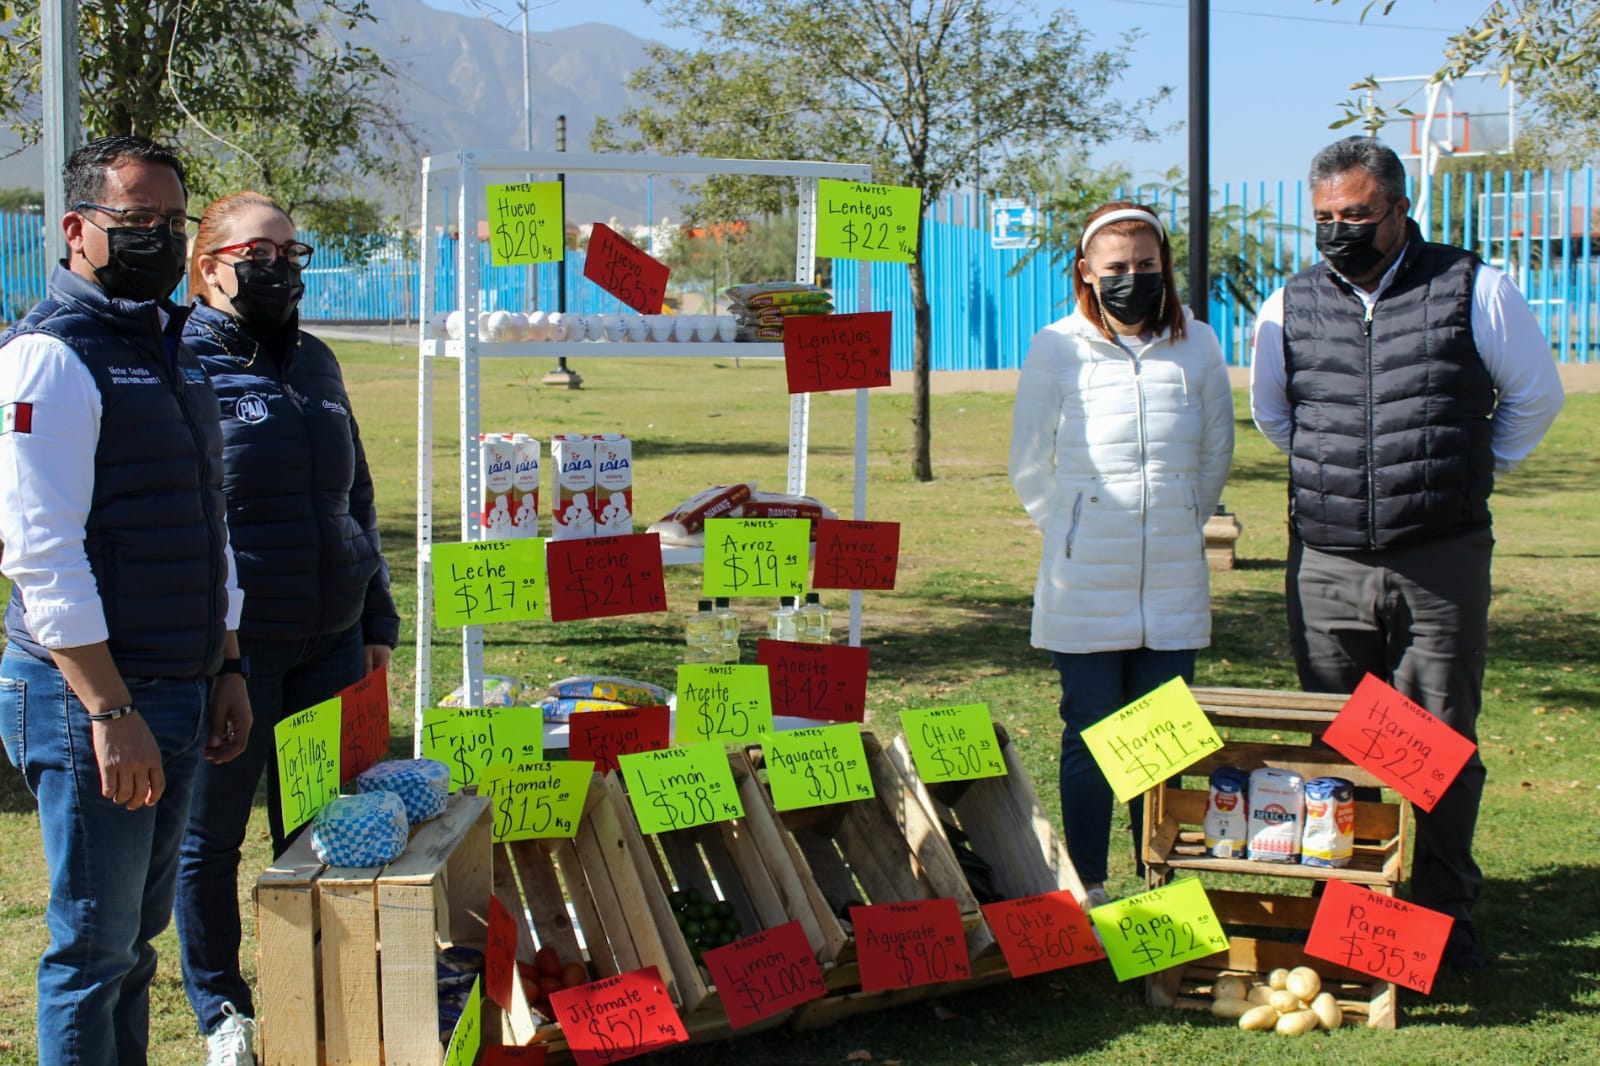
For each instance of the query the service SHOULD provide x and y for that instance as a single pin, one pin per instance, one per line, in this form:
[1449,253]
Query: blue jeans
[286,677]
[112,870]
[1092,686]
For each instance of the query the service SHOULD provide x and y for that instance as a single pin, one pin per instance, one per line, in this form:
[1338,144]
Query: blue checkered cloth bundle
[365,830]
[424,785]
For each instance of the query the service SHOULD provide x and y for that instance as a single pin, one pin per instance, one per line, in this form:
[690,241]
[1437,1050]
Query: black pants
[1417,617]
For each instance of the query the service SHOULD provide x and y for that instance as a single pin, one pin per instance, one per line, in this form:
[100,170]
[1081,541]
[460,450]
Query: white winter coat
[1119,459]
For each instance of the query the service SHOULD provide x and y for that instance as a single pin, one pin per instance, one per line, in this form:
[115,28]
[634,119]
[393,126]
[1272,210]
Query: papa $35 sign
[1372,933]
[1151,739]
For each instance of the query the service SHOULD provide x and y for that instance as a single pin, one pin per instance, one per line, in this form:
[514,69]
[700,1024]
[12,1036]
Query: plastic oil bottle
[728,629]
[702,636]
[783,621]
[814,621]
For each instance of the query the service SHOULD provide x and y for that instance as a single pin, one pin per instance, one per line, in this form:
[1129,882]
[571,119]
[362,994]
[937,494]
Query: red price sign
[600,736]
[617,1018]
[500,954]
[763,974]
[1370,933]
[856,555]
[1040,933]
[511,1055]
[363,724]
[605,576]
[905,944]
[827,353]
[827,682]
[624,270]
[1403,745]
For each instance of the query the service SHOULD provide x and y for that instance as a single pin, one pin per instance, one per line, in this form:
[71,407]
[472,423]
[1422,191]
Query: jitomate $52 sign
[1151,739]
[617,1018]
[1158,929]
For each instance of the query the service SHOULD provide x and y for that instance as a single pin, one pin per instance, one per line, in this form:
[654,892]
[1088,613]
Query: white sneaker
[233,1042]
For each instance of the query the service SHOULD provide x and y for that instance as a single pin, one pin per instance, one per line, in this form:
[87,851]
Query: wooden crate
[347,964]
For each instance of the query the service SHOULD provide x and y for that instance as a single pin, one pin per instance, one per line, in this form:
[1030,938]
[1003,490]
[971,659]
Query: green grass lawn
[956,631]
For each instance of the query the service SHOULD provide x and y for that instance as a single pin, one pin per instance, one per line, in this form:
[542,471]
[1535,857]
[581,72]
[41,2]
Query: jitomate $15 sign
[724,703]
[486,581]
[1158,929]
[953,743]
[765,557]
[681,787]
[1372,933]
[827,682]
[1044,932]
[1402,744]
[470,740]
[856,555]
[904,944]
[767,972]
[1151,739]
[537,800]
[816,767]
[617,1018]
[605,577]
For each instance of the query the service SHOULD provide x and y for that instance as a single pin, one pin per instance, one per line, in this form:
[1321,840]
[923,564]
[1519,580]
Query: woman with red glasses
[318,615]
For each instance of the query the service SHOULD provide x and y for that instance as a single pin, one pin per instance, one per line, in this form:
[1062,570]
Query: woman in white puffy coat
[1120,443]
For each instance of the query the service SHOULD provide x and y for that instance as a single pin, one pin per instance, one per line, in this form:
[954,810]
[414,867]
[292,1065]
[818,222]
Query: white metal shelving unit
[474,169]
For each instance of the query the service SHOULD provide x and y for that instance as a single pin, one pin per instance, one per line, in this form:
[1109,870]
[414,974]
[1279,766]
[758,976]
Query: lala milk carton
[1227,819]
[1330,833]
[1277,814]
[496,466]
[572,516]
[613,484]
[525,485]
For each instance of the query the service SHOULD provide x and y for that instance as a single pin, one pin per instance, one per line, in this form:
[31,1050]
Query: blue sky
[1279,68]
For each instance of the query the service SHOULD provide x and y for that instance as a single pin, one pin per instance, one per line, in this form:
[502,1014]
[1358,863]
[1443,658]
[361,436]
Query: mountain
[459,85]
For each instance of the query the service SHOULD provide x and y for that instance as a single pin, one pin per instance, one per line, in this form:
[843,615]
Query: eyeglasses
[261,250]
[139,218]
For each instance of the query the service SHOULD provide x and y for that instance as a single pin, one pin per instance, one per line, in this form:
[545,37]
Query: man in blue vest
[1400,377]
[121,668]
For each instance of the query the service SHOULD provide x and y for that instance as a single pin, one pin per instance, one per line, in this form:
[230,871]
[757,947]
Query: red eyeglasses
[262,250]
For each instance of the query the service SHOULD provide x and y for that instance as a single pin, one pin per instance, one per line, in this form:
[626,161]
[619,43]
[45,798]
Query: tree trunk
[921,349]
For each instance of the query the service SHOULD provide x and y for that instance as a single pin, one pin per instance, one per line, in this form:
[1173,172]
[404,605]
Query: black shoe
[1465,954]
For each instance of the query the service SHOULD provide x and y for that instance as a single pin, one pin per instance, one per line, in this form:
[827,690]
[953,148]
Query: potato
[1230,1008]
[1278,978]
[1304,982]
[1258,995]
[1259,1018]
[1284,1001]
[1297,1023]
[1230,986]
[1329,1014]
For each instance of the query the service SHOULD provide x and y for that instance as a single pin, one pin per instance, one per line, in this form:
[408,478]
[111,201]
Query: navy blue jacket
[154,534]
[300,499]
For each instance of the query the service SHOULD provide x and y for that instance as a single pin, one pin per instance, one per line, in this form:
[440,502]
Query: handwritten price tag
[827,682]
[722,703]
[1151,739]
[856,555]
[1040,933]
[488,581]
[470,740]
[536,800]
[616,1018]
[500,954]
[1403,745]
[1389,938]
[681,787]
[603,735]
[527,223]
[364,725]
[604,577]
[906,944]
[830,353]
[1154,930]
[756,556]
[308,761]
[953,743]
[761,975]
[814,767]
[876,222]
[468,1035]
[624,270]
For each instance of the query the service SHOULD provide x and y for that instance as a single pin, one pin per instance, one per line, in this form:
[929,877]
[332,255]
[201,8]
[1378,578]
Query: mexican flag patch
[16,418]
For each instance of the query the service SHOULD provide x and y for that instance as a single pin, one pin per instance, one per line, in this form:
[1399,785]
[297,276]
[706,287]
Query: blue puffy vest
[154,534]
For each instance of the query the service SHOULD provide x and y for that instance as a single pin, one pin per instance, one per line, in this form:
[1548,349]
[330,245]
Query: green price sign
[467,1039]
[856,221]
[471,740]
[815,767]
[308,761]
[953,743]
[757,557]
[533,800]
[1151,739]
[722,703]
[527,223]
[1159,929]
[680,787]
[487,581]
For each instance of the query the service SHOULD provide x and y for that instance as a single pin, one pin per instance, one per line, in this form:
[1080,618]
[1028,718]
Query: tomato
[574,974]
[546,962]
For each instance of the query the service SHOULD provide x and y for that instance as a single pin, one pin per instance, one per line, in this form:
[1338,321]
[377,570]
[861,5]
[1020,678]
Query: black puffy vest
[1390,437]
[154,534]
[300,500]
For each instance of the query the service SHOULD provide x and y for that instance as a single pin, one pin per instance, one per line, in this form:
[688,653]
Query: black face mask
[1351,248]
[268,294]
[1131,298]
[141,263]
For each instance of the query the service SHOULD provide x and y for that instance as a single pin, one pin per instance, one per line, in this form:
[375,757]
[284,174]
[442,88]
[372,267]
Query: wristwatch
[240,666]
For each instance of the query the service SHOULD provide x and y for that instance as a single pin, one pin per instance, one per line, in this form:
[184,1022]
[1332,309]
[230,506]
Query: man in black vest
[1400,377]
[121,668]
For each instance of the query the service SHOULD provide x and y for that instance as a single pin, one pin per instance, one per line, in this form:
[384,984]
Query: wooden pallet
[347,963]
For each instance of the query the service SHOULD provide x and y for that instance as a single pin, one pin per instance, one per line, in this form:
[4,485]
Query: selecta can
[1277,814]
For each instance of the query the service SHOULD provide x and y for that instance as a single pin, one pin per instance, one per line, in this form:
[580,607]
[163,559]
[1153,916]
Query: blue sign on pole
[1011,224]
